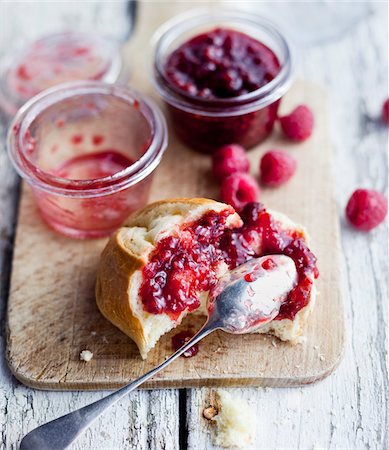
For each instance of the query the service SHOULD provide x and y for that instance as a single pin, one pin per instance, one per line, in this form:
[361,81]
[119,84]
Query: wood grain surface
[52,305]
[349,409]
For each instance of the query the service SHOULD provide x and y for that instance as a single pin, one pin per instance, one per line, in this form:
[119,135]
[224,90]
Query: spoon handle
[60,433]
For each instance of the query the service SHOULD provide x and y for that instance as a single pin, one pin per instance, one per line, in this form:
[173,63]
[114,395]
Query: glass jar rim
[243,104]
[123,179]
[11,102]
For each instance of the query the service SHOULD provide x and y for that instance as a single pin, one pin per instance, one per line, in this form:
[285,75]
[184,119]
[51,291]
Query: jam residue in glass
[178,340]
[91,166]
[221,63]
[182,266]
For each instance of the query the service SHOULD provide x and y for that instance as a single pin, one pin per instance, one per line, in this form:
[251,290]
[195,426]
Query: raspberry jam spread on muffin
[188,263]
[181,266]
[222,63]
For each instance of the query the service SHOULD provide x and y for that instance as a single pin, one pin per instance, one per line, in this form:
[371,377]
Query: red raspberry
[385,112]
[276,167]
[298,125]
[366,209]
[239,189]
[229,159]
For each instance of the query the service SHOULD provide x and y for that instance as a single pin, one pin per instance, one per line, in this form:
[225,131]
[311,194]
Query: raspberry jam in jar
[88,150]
[56,59]
[222,77]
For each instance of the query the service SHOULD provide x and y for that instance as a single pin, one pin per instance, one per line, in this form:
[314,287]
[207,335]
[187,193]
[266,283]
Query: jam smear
[221,63]
[91,166]
[182,266]
[178,340]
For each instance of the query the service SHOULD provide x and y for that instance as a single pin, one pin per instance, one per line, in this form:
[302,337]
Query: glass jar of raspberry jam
[55,59]
[221,76]
[88,151]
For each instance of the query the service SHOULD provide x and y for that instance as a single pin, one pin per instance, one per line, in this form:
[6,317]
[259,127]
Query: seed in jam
[178,340]
[222,63]
[182,266]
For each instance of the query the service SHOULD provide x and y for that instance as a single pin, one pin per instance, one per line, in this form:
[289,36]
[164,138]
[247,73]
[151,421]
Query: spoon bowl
[252,294]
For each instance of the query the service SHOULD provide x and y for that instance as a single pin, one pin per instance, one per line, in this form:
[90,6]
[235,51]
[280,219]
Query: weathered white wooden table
[348,410]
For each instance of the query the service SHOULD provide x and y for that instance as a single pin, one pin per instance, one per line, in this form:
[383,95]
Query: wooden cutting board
[52,314]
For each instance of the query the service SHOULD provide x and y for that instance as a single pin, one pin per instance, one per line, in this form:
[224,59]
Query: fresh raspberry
[385,112]
[366,209]
[298,125]
[276,167]
[229,159]
[239,189]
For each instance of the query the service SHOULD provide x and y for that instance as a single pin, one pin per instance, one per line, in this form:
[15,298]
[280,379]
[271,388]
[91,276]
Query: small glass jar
[88,150]
[206,124]
[56,59]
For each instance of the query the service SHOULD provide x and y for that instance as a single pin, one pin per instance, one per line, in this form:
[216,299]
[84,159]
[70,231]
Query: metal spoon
[243,299]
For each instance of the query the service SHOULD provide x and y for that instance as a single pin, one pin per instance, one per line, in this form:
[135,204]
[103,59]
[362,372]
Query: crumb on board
[86,355]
